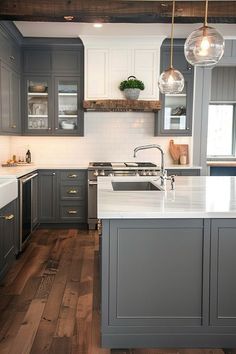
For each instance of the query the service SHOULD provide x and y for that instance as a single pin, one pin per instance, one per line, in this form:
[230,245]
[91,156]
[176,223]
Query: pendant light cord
[172,35]
[206,13]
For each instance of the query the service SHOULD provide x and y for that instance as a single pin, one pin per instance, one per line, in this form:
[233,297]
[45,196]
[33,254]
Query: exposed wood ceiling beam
[116,11]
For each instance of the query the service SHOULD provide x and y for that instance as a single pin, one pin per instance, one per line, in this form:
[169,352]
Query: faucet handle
[172,181]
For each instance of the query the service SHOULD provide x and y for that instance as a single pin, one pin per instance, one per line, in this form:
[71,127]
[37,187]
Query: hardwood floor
[49,300]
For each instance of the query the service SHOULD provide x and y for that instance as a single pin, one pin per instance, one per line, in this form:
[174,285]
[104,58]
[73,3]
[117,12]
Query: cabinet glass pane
[37,97]
[67,105]
[175,112]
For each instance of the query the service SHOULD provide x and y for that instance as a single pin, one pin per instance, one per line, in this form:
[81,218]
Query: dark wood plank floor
[49,300]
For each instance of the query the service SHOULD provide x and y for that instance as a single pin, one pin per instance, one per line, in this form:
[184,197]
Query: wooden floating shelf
[121,106]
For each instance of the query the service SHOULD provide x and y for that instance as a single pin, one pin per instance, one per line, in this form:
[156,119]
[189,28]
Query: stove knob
[154,173]
[96,173]
[111,174]
[137,174]
[102,173]
[149,173]
[144,173]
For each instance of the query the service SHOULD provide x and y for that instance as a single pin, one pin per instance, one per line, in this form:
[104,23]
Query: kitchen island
[168,263]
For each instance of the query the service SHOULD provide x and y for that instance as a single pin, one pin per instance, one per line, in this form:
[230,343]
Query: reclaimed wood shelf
[121,106]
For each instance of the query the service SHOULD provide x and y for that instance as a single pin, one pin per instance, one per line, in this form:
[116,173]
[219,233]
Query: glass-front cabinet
[53,106]
[67,105]
[175,116]
[38,98]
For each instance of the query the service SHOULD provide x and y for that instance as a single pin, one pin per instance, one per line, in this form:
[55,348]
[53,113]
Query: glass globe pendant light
[171,81]
[204,46]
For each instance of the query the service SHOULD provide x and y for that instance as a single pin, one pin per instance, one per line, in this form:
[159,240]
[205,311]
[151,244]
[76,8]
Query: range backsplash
[108,137]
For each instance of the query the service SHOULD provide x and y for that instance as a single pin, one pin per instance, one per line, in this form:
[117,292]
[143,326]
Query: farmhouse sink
[135,186]
[8,191]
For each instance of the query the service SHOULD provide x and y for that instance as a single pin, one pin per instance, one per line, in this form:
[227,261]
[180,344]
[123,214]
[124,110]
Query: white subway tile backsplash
[4,148]
[108,136]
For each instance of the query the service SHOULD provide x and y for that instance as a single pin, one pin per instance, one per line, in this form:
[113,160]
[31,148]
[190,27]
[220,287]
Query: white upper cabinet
[108,61]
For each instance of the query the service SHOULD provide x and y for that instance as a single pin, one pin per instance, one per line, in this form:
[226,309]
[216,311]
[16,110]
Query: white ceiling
[74,30]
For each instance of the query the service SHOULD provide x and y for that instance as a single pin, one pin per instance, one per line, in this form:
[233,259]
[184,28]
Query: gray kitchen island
[168,264]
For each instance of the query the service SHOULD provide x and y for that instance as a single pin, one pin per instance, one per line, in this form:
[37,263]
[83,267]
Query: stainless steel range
[100,169]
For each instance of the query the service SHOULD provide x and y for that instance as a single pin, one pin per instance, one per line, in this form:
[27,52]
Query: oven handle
[92,183]
[23,180]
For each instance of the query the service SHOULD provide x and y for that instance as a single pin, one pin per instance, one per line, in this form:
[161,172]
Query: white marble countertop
[19,171]
[193,197]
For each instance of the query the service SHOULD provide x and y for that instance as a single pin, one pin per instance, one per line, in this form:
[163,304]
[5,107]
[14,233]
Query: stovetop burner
[101,164]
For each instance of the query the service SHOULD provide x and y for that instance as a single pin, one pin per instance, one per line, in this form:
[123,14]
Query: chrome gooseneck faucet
[153,146]
[163,171]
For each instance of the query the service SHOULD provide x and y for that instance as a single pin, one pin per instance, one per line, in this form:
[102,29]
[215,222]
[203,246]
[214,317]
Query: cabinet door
[6,98]
[7,236]
[15,103]
[34,211]
[47,196]
[66,61]
[38,106]
[37,61]
[68,106]
[175,117]
[156,273]
[223,273]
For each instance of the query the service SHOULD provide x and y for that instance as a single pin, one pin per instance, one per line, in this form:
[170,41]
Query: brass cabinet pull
[72,191]
[14,126]
[12,57]
[7,217]
[72,176]
[72,211]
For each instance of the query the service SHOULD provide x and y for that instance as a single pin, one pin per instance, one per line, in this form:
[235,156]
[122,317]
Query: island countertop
[193,197]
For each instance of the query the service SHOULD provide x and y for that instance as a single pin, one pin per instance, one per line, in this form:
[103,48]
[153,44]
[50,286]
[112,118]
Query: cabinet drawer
[72,191]
[73,175]
[72,212]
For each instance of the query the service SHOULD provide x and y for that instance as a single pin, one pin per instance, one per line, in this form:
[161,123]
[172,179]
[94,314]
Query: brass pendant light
[204,46]
[171,81]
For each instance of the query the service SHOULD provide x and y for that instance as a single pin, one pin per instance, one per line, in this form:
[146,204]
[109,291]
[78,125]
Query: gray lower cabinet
[62,196]
[47,195]
[168,283]
[35,202]
[184,172]
[223,273]
[8,234]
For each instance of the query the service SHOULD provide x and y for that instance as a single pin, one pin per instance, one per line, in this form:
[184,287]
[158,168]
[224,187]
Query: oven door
[92,203]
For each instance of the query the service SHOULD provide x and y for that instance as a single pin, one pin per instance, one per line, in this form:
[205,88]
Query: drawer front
[72,212]
[73,175]
[184,172]
[72,191]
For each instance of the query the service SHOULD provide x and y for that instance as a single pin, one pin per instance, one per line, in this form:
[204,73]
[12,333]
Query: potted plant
[131,87]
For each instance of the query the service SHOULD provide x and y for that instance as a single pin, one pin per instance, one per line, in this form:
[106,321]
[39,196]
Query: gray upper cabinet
[37,61]
[52,102]
[10,56]
[10,100]
[175,117]
[68,61]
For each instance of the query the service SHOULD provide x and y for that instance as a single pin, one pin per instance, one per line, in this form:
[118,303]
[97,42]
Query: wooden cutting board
[176,150]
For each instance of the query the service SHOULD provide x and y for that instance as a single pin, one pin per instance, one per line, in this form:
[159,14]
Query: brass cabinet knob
[56,128]
[49,128]
[13,126]
[12,58]
[7,217]
[72,176]
[72,191]
[72,211]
